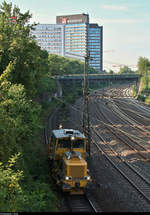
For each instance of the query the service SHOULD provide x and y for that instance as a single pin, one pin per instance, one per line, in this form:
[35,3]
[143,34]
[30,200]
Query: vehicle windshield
[68,143]
[79,143]
[64,143]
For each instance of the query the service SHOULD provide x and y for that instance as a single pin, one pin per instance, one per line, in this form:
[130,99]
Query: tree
[19,118]
[125,70]
[14,197]
[59,65]
[11,191]
[111,72]
[23,69]
[143,65]
[30,63]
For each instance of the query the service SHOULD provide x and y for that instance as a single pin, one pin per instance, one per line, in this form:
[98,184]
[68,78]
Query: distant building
[72,36]
[50,37]
[95,46]
[76,30]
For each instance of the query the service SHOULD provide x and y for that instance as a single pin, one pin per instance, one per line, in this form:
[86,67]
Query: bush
[141,97]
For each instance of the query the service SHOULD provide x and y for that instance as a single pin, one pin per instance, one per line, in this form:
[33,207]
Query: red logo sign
[64,20]
[13,19]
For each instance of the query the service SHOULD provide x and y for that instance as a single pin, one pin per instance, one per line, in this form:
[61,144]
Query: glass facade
[50,37]
[71,37]
[75,40]
[95,48]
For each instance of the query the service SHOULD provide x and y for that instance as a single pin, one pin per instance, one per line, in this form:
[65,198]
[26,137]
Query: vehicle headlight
[88,177]
[67,178]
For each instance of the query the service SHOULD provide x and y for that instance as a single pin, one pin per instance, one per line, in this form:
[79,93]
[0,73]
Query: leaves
[9,185]
[62,66]
[24,74]
[18,49]
[143,65]
[19,117]
[125,70]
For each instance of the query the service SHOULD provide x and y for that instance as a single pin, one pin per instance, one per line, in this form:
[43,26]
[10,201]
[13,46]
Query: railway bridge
[98,80]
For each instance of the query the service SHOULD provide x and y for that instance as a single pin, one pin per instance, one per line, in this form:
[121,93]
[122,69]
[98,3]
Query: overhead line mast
[85,112]
[86,115]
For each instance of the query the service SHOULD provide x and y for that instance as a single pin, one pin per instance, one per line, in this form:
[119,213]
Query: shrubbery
[27,88]
[24,81]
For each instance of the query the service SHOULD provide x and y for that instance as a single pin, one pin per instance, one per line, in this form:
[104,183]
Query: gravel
[110,191]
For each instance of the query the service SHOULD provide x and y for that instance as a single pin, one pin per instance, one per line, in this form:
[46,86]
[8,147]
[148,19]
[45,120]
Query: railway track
[132,124]
[131,113]
[136,143]
[123,106]
[79,203]
[72,203]
[134,177]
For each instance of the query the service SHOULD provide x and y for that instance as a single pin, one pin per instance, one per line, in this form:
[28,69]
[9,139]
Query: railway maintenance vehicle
[67,156]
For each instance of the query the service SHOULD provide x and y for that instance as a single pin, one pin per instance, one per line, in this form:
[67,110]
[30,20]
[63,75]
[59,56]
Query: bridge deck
[99,77]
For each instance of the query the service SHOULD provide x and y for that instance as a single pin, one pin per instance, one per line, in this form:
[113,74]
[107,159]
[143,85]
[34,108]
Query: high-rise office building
[50,37]
[76,29]
[72,36]
[95,46]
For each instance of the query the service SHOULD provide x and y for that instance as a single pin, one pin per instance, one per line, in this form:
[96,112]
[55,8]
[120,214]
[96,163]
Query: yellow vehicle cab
[67,153]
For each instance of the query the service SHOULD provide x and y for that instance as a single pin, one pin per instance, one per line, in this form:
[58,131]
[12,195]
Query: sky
[126,24]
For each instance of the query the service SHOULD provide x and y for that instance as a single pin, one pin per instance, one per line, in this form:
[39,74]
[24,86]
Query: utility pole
[86,96]
[146,74]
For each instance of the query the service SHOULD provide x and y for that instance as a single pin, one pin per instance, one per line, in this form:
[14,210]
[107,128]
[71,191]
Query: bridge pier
[59,88]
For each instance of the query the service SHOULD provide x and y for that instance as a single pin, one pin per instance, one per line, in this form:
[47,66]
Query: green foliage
[111,72]
[18,50]
[19,126]
[24,77]
[141,97]
[11,190]
[143,65]
[134,91]
[145,91]
[145,79]
[19,117]
[47,86]
[13,196]
[62,66]
[125,70]
[147,100]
